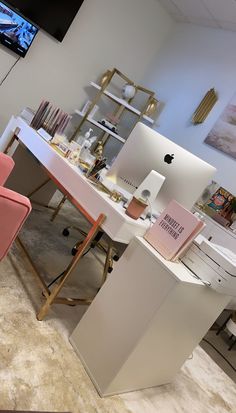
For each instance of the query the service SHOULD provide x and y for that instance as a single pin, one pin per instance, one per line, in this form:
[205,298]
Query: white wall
[106,33]
[190,63]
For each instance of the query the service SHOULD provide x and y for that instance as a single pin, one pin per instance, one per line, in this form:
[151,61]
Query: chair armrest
[6,166]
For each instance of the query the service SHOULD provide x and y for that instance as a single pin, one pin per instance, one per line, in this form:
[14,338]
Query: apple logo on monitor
[168,158]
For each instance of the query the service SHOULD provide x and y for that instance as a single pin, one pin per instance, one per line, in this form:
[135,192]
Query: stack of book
[174,231]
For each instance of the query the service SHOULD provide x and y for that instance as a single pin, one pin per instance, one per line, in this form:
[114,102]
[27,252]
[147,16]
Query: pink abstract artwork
[223,134]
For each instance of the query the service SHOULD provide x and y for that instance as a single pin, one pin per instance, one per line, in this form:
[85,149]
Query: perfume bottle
[82,138]
[86,159]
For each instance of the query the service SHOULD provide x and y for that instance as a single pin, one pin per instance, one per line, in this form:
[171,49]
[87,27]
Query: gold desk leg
[9,144]
[87,241]
[58,208]
[14,136]
[38,187]
[107,263]
[40,280]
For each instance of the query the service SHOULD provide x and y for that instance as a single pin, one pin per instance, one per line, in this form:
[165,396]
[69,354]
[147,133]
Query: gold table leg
[40,280]
[14,136]
[59,206]
[108,263]
[38,187]
[54,293]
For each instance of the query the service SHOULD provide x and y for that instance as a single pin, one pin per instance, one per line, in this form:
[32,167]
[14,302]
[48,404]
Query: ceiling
[210,13]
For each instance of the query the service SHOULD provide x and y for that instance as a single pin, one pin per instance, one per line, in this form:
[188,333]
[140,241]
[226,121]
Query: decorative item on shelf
[205,106]
[152,106]
[113,80]
[51,119]
[94,111]
[110,122]
[206,194]
[86,107]
[99,150]
[128,91]
[136,207]
[104,78]
[220,204]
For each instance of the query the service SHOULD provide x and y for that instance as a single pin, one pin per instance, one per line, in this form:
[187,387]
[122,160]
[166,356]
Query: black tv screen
[16,32]
[54,16]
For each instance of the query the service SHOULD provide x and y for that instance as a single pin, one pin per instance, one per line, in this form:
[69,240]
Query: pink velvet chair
[14,208]
[6,166]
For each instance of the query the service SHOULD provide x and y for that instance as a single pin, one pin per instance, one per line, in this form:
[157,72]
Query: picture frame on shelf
[220,202]
[85,107]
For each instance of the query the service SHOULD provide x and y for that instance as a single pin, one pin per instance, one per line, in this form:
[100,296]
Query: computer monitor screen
[16,32]
[145,150]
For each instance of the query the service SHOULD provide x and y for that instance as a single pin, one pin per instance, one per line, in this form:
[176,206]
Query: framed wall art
[223,134]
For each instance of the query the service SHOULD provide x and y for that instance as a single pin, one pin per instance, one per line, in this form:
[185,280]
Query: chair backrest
[6,166]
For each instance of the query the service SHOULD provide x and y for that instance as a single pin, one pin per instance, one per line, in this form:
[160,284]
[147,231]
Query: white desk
[119,226]
[145,322]
[102,213]
[150,313]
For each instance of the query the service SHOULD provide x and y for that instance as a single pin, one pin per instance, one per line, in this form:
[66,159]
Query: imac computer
[185,174]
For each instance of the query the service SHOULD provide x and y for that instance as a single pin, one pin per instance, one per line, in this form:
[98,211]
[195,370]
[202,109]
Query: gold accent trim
[205,106]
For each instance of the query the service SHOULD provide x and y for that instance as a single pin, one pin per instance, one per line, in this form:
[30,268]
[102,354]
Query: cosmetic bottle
[82,138]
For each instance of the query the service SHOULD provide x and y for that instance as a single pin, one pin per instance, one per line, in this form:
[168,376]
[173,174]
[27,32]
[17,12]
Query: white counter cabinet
[144,323]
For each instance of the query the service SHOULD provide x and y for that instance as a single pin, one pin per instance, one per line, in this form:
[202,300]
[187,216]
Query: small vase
[135,208]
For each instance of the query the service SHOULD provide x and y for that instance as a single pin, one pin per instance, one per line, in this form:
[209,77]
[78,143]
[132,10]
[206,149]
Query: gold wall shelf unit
[148,108]
[205,107]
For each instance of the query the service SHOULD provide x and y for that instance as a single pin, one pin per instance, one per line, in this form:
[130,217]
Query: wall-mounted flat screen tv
[16,32]
[54,16]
